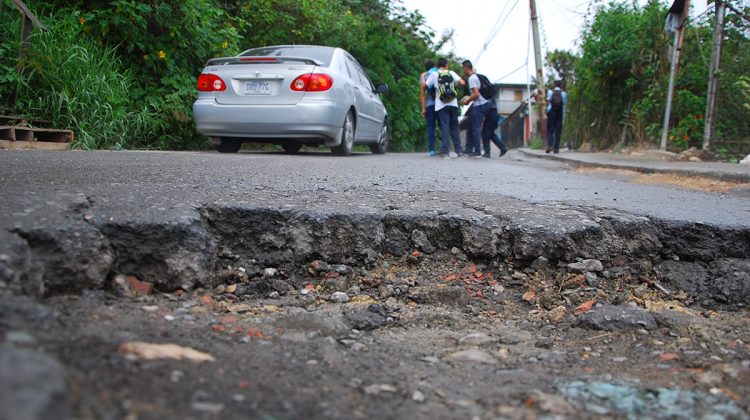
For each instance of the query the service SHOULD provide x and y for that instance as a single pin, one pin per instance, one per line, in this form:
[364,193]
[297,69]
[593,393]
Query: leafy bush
[622,75]
[164,44]
[72,81]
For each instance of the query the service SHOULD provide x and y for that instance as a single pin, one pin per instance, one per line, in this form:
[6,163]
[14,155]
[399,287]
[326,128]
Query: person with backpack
[556,101]
[483,118]
[446,105]
[428,106]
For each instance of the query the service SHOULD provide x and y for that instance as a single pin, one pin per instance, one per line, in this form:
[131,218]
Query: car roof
[295,46]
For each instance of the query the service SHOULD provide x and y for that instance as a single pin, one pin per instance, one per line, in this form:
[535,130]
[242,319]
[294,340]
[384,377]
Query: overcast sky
[505,57]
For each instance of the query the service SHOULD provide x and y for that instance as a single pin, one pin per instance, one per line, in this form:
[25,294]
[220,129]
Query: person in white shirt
[483,117]
[446,105]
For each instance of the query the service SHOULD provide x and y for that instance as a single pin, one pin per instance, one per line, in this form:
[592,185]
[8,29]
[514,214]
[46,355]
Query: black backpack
[430,89]
[557,100]
[446,86]
[486,88]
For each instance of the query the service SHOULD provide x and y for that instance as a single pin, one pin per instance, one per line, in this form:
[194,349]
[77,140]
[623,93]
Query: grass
[536,143]
[80,85]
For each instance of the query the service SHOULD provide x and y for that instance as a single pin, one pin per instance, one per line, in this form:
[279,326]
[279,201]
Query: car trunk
[260,83]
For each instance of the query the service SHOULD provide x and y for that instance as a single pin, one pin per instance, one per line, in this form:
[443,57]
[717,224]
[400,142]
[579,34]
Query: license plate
[258,87]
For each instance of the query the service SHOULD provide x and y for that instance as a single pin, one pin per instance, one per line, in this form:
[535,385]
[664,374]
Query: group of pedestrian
[440,106]
[439,96]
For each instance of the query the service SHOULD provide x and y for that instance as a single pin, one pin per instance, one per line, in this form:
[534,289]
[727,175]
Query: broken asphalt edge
[717,175]
[188,252]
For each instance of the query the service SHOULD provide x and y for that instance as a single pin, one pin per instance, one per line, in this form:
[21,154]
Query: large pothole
[403,313]
[709,263]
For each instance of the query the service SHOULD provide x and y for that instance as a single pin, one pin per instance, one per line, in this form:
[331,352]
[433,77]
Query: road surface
[396,286]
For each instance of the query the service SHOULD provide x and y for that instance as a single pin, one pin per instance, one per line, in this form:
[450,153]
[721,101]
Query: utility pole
[713,76]
[678,38]
[542,97]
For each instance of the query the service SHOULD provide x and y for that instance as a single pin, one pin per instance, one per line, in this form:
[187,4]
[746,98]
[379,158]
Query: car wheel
[291,148]
[347,137]
[229,146]
[381,146]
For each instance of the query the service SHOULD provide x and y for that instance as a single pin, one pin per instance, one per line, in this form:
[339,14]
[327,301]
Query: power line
[486,41]
[511,73]
[496,28]
[565,16]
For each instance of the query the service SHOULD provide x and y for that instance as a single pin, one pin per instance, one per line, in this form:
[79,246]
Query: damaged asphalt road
[375,286]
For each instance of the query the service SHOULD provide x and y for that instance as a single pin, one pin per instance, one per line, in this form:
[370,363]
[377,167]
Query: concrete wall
[509,97]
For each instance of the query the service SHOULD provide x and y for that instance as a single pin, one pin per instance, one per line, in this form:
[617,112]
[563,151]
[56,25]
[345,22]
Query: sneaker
[548,150]
[432,153]
[446,157]
[474,155]
[453,155]
[461,155]
[557,150]
[487,156]
[503,152]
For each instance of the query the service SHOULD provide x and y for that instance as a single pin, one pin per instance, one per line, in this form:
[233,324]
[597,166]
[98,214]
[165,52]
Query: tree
[561,66]
[164,44]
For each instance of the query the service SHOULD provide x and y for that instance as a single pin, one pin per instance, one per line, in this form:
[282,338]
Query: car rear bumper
[305,120]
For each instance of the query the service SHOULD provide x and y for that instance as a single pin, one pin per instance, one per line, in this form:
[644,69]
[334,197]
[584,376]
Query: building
[509,97]
[512,105]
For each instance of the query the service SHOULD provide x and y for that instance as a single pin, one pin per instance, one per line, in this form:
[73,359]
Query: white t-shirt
[475,83]
[432,81]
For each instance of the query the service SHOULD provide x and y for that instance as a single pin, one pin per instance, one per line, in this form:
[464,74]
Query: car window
[365,80]
[361,76]
[349,70]
[322,54]
[354,71]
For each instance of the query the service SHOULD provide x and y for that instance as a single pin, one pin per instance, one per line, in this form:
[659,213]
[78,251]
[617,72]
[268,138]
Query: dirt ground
[686,182]
[411,337]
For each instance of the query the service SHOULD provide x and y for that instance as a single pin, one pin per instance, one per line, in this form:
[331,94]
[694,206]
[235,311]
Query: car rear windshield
[322,54]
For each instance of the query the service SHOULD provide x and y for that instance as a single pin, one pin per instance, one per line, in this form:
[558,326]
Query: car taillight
[210,83]
[312,82]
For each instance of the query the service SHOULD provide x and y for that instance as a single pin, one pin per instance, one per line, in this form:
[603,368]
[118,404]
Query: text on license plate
[258,87]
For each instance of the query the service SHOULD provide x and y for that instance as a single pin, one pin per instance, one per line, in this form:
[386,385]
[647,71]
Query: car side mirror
[381,89]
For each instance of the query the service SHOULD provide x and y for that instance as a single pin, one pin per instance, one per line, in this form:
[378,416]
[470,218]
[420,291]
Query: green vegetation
[99,104]
[620,81]
[122,73]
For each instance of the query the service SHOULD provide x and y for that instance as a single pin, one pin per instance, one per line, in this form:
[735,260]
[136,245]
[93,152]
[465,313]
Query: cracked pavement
[373,286]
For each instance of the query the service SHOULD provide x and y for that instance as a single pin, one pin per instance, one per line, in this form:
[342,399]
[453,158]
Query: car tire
[291,148]
[381,146]
[229,146]
[347,137]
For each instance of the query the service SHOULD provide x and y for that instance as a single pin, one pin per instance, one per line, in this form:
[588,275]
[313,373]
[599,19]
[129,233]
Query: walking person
[428,106]
[446,106]
[489,131]
[556,101]
[483,118]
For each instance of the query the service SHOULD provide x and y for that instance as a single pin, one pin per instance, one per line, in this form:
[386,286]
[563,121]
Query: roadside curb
[721,176]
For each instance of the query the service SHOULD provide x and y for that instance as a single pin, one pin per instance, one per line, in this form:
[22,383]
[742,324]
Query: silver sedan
[292,96]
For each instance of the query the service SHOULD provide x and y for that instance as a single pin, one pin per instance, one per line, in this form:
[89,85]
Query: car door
[366,118]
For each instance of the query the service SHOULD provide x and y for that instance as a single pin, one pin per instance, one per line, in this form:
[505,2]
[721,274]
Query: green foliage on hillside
[622,74]
[143,58]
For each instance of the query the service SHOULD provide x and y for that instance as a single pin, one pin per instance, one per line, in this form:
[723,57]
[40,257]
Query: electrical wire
[512,72]
[496,29]
[565,16]
[486,41]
